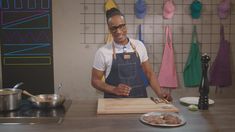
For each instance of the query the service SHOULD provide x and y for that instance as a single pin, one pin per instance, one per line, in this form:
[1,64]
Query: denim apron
[126,68]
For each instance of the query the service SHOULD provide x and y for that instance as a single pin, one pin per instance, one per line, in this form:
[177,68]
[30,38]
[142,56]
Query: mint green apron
[193,71]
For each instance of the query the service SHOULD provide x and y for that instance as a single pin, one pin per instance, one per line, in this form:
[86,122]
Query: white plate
[163,125]
[193,100]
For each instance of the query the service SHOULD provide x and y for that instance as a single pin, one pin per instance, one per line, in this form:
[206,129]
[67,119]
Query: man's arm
[154,81]
[152,78]
[96,82]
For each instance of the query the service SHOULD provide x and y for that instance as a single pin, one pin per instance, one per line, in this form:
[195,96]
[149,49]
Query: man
[123,63]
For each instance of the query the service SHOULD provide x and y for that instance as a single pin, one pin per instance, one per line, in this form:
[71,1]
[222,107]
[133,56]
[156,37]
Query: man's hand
[167,96]
[122,90]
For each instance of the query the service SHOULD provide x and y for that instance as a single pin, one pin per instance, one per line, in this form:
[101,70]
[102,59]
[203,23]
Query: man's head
[117,25]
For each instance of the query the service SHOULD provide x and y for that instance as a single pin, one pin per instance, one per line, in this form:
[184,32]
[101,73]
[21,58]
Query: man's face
[117,27]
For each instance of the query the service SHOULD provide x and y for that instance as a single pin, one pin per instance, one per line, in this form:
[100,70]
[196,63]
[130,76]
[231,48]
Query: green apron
[193,71]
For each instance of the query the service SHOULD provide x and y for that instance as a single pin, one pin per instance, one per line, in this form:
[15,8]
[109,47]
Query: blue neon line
[21,3]
[27,49]
[22,19]
[7,27]
[48,3]
[34,4]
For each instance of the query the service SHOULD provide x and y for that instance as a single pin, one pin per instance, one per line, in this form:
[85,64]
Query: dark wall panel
[26,44]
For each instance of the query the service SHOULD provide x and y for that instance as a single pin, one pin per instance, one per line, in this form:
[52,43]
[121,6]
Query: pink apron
[167,74]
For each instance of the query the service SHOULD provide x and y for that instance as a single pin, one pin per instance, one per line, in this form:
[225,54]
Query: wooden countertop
[82,117]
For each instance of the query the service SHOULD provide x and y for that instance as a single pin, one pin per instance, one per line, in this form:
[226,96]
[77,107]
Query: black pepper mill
[204,86]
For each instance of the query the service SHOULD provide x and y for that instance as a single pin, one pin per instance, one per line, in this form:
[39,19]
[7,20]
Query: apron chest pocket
[127,71]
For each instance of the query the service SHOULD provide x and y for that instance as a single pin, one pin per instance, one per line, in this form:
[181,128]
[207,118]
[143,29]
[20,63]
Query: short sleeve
[99,61]
[145,54]
[141,49]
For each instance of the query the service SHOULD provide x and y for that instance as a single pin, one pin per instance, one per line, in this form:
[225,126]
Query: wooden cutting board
[132,105]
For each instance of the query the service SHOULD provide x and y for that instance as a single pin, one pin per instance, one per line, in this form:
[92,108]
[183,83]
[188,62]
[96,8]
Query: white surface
[193,100]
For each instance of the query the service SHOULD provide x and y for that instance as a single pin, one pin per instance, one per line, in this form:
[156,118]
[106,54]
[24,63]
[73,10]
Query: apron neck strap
[194,34]
[114,52]
[221,32]
[168,36]
[133,47]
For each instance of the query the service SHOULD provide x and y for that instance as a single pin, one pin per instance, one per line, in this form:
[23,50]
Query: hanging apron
[143,76]
[140,33]
[110,4]
[220,72]
[167,75]
[193,68]
[126,68]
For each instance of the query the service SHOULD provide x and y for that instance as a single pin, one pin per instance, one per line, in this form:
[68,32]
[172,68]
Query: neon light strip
[48,5]
[22,38]
[24,19]
[15,4]
[18,64]
[26,49]
[46,27]
[26,44]
[33,28]
[20,6]
[28,11]
[2,12]
[7,4]
[38,54]
[32,1]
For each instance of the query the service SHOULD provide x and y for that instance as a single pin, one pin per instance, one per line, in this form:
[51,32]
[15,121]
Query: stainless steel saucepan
[10,98]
